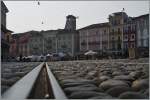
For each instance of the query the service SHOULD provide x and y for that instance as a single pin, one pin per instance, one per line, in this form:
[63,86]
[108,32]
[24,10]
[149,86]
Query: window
[115,22]
[126,37]
[113,46]
[25,46]
[133,27]
[119,21]
[132,37]
[145,23]
[104,31]
[142,42]
[83,42]
[119,46]
[49,41]
[112,38]
[145,43]
[7,38]
[129,28]
[112,30]
[139,43]
[132,45]
[119,30]
[96,32]
[126,45]
[49,47]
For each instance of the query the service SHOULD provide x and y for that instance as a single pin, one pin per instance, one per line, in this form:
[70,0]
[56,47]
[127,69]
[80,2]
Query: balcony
[83,43]
[94,43]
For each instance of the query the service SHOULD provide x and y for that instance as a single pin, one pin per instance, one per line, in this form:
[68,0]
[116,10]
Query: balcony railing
[94,43]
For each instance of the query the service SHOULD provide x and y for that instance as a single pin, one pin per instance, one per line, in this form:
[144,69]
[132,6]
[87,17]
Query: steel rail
[22,88]
[29,86]
[57,91]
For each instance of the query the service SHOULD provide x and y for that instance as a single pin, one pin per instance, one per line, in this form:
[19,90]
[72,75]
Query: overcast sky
[28,15]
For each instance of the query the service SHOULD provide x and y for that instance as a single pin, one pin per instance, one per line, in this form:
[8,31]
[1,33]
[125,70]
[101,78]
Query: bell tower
[70,23]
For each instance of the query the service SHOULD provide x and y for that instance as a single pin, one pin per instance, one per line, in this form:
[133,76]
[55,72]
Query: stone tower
[70,22]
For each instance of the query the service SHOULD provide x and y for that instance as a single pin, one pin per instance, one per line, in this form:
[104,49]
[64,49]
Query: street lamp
[122,29]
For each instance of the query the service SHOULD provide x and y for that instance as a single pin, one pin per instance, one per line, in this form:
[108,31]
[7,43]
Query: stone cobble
[103,79]
[11,72]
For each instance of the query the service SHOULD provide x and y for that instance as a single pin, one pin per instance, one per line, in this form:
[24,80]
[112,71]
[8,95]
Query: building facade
[94,37]
[46,42]
[67,38]
[120,35]
[116,22]
[129,37]
[142,38]
[14,46]
[5,34]
[24,45]
[49,41]
[66,42]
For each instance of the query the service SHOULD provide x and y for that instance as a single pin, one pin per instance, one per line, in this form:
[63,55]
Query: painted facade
[114,37]
[49,41]
[46,42]
[122,33]
[116,21]
[94,37]
[142,37]
[142,23]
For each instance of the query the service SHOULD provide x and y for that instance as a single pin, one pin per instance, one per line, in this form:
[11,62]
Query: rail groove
[40,83]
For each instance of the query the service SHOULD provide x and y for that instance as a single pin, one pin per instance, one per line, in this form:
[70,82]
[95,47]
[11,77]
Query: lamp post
[56,43]
[87,40]
[43,45]
[122,28]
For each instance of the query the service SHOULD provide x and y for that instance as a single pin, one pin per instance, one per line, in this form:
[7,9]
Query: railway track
[40,83]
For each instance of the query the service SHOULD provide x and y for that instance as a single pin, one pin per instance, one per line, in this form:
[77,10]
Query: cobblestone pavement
[103,79]
[11,72]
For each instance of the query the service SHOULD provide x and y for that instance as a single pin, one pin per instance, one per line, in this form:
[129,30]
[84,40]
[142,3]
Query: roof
[71,16]
[4,29]
[47,31]
[141,16]
[117,14]
[65,31]
[95,26]
[4,6]
[32,33]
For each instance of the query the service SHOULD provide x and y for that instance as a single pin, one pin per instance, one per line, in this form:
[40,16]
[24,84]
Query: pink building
[13,48]
[24,45]
[20,45]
